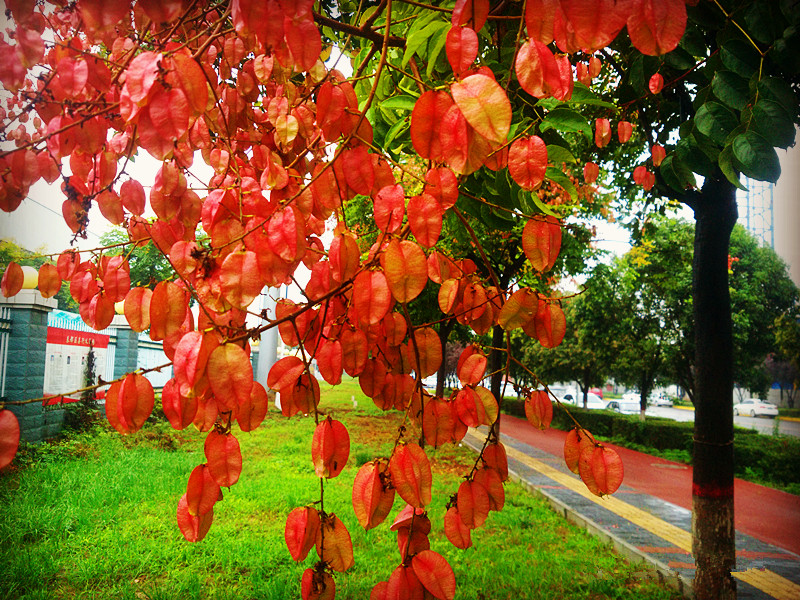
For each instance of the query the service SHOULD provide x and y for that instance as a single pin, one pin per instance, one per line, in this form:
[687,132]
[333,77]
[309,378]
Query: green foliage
[651,334]
[9,251]
[148,265]
[771,460]
[588,346]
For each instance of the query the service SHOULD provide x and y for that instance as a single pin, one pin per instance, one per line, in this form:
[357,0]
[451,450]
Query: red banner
[70,337]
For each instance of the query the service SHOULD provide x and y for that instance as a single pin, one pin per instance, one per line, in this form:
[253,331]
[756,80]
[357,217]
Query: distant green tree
[9,251]
[148,265]
[585,354]
[653,308]
[787,357]
[659,268]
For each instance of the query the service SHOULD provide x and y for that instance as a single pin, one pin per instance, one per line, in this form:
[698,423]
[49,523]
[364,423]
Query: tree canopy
[651,337]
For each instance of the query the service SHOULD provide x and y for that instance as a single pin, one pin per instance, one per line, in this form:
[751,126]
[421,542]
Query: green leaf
[436,45]
[505,190]
[675,172]
[756,157]
[582,95]
[715,121]
[773,88]
[708,147]
[558,154]
[545,208]
[740,57]
[496,219]
[679,59]
[416,39]
[565,119]
[404,102]
[690,153]
[731,89]
[727,168]
[774,123]
[764,21]
[693,40]
[527,197]
[400,127]
[470,206]
[558,176]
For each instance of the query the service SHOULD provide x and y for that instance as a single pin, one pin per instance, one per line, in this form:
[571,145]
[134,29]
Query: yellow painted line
[675,535]
[771,583]
[765,580]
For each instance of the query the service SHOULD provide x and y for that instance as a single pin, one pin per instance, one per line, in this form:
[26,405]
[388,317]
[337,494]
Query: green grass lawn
[93,516]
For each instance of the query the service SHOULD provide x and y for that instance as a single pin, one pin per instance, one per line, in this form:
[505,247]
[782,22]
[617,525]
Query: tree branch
[368,34]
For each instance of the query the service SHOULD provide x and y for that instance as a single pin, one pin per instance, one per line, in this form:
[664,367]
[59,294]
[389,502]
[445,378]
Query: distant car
[624,406]
[659,400]
[753,407]
[593,401]
[631,396]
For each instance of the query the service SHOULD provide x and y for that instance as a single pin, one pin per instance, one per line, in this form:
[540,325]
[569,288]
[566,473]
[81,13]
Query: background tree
[787,337]
[785,374]
[10,251]
[148,265]
[657,323]
[589,346]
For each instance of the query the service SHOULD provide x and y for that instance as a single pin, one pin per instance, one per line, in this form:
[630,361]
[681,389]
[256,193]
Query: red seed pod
[539,409]
[330,448]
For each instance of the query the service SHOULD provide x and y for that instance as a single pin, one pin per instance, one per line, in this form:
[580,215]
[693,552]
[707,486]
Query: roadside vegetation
[92,515]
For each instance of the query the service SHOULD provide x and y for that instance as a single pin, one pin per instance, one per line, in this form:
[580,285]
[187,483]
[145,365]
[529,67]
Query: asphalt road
[765,425]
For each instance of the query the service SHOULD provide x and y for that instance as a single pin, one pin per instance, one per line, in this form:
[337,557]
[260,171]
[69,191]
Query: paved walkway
[649,517]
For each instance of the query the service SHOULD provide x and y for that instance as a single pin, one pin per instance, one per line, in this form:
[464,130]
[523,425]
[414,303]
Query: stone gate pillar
[126,353]
[25,362]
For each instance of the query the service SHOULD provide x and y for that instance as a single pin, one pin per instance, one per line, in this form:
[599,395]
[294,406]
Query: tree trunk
[644,392]
[495,368]
[444,333]
[713,546]
[495,363]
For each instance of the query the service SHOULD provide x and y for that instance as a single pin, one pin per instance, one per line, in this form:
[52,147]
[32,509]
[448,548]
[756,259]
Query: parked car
[593,401]
[631,396]
[660,399]
[624,406]
[753,407]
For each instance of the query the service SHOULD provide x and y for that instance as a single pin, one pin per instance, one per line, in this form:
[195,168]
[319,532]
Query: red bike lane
[766,514]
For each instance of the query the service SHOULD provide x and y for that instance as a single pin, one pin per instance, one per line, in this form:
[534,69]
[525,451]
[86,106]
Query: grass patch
[94,517]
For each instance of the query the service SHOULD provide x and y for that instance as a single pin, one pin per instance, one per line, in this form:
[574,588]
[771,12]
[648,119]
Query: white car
[625,406]
[659,399]
[592,400]
[753,407]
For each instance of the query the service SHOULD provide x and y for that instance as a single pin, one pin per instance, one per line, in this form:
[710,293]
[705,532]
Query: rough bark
[444,333]
[495,365]
[713,530]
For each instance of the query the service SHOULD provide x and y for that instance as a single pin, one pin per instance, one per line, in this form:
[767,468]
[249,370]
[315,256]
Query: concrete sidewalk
[643,527]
